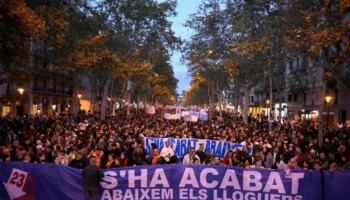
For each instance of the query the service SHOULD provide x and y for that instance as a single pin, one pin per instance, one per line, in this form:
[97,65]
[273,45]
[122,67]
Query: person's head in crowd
[156,152]
[291,147]
[246,149]
[196,161]
[246,164]
[229,154]
[166,143]
[161,161]
[192,151]
[41,158]
[258,163]
[209,158]
[317,165]
[79,155]
[153,146]
[201,147]
[92,161]
[217,160]
[293,163]
[111,157]
[326,141]
[97,151]
[122,155]
[26,157]
[322,156]
[333,167]
[313,153]
[7,157]
[173,160]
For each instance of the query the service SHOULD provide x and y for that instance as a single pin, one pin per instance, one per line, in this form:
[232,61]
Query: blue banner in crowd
[201,115]
[51,181]
[182,146]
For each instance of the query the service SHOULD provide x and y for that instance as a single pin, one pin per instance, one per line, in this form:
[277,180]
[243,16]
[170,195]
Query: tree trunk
[220,104]
[30,98]
[75,103]
[92,96]
[320,115]
[245,104]
[111,104]
[280,107]
[128,104]
[145,102]
[271,100]
[104,99]
[211,106]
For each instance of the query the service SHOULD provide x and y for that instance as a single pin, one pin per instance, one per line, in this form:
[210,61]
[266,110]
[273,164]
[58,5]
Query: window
[305,97]
[251,99]
[336,96]
[342,116]
[45,83]
[295,97]
[290,98]
[313,98]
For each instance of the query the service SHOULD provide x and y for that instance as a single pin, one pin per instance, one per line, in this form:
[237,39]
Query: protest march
[149,156]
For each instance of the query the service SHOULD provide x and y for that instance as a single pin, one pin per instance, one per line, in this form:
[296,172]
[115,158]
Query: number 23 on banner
[18,178]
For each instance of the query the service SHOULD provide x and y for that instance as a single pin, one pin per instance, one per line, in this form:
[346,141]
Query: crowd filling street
[118,141]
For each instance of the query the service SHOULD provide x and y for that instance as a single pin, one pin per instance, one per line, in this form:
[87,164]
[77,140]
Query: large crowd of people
[118,141]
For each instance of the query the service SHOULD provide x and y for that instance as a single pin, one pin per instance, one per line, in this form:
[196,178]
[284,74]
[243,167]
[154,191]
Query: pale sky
[184,9]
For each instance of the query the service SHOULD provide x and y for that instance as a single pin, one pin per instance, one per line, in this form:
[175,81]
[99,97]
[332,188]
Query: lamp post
[79,97]
[267,107]
[328,100]
[20,91]
[109,103]
[54,109]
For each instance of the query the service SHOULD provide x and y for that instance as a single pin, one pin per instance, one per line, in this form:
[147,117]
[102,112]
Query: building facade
[304,83]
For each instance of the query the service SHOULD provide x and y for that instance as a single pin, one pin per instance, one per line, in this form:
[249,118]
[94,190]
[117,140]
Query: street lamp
[54,109]
[79,97]
[109,101]
[20,91]
[267,107]
[328,100]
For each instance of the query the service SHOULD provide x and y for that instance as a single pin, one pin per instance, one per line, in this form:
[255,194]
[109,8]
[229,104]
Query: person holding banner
[216,161]
[201,154]
[167,151]
[228,159]
[92,175]
[153,160]
[190,157]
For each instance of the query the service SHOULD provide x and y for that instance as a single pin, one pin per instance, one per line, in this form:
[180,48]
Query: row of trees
[238,44]
[121,47]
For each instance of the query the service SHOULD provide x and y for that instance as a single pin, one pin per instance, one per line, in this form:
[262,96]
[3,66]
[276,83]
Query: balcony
[66,92]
